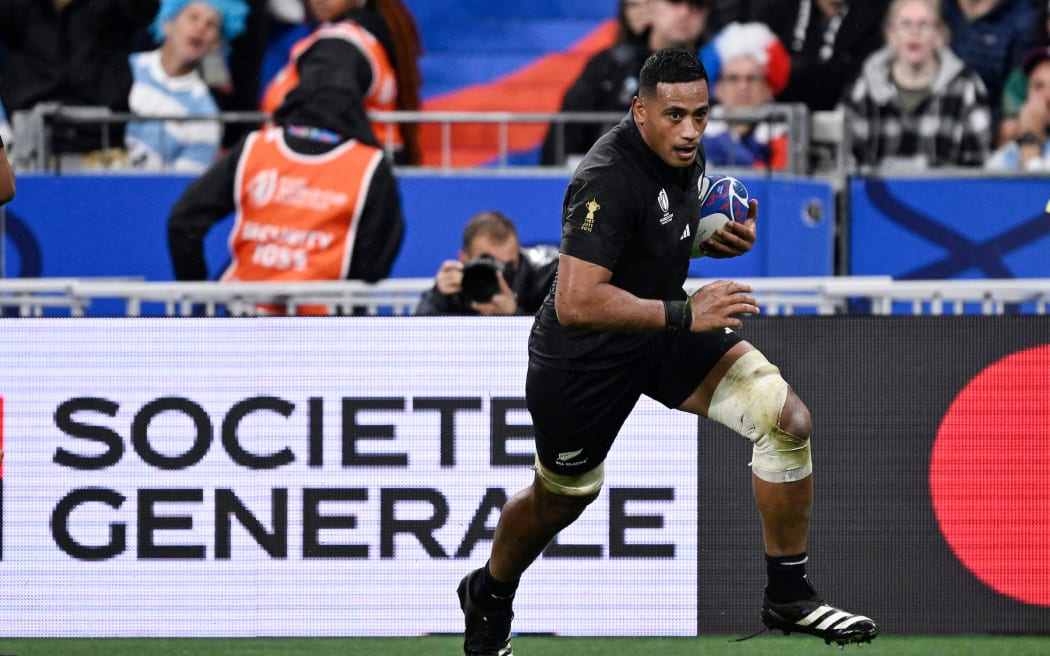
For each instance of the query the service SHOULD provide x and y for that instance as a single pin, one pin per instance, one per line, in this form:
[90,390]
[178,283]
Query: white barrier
[399,296]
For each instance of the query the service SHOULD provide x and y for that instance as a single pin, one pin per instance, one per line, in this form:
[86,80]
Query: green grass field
[529,646]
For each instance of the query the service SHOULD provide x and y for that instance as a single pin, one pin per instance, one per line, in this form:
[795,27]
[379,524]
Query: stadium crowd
[156,57]
[916,84]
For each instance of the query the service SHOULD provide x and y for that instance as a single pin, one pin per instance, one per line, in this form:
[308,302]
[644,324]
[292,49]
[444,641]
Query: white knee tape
[582,485]
[749,400]
[780,457]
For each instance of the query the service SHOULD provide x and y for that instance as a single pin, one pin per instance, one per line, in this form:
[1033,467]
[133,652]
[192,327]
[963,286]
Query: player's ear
[638,109]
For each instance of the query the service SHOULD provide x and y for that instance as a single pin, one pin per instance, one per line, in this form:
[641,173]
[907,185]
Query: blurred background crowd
[300,117]
[916,83]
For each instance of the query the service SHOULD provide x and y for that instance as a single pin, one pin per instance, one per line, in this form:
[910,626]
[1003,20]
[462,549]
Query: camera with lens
[480,278]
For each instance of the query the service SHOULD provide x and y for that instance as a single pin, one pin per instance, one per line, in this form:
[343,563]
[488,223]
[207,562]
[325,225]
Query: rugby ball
[723,198]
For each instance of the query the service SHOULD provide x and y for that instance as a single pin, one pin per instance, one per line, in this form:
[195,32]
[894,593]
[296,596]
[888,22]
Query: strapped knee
[749,399]
[582,485]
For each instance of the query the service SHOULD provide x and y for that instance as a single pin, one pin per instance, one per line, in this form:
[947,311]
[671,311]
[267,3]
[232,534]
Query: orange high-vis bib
[380,96]
[297,215]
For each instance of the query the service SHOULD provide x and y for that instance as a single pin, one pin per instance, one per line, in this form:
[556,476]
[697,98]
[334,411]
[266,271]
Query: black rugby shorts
[577,414]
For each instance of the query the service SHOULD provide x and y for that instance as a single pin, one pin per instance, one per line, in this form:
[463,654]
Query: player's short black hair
[670,66]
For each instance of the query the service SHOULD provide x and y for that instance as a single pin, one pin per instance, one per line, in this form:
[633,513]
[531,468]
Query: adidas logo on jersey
[685,233]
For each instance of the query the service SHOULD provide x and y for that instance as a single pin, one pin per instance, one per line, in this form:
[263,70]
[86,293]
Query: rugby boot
[487,631]
[817,618]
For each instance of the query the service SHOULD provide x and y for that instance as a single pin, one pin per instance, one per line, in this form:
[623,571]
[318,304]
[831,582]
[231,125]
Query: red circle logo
[990,476]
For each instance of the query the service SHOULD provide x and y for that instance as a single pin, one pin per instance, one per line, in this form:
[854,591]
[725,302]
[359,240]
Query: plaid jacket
[953,127]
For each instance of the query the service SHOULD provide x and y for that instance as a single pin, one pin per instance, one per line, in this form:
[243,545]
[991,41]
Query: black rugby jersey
[627,210]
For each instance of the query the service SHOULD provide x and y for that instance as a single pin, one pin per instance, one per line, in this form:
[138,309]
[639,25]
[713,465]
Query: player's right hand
[734,239]
[719,304]
[449,279]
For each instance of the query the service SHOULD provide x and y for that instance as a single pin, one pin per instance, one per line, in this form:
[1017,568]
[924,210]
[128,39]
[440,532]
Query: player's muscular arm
[585,299]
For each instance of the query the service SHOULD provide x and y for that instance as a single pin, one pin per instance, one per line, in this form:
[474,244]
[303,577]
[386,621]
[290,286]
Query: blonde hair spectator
[916,104]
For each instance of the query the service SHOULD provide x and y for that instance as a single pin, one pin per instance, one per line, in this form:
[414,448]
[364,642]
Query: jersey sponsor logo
[665,206]
[685,233]
[588,221]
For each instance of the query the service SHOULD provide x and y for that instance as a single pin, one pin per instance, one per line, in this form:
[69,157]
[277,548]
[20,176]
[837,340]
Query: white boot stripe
[820,612]
[832,619]
[853,620]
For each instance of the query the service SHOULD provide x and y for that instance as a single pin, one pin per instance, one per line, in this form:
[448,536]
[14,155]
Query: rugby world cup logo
[665,206]
[263,186]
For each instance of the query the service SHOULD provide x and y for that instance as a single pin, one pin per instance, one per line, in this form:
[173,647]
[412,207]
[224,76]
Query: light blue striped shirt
[189,146]
[1008,158]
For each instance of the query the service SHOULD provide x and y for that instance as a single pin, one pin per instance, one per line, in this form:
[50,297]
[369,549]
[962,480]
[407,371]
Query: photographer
[494,275]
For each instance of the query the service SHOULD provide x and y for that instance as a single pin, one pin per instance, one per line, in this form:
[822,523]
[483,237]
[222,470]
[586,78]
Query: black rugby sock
[489,593]
[787,578]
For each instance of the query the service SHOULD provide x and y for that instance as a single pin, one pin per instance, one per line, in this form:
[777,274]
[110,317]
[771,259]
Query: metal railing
[34,146]
[880,295]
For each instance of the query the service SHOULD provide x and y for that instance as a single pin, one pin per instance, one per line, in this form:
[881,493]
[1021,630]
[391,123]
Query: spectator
[71,52]
[356,43]
[752,65]
[610,79]
[633,20]
[990,36]
[828,41]
[285,23]
[916,104]
[1016,86]
[494,275]
[1030,151]
[724,12]
[313,200]
[7,185]
[5,125]
[167,82]
[405,46]
[234,73]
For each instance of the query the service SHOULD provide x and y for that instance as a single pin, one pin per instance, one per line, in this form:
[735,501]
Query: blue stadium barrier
[933,228]
[80,226]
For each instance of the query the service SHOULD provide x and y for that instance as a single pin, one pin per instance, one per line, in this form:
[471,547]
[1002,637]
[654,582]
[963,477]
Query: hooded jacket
[332,116]
[950,127]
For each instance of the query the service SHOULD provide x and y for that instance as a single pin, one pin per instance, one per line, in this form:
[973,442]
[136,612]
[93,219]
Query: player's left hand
[734,239]
[501,304]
